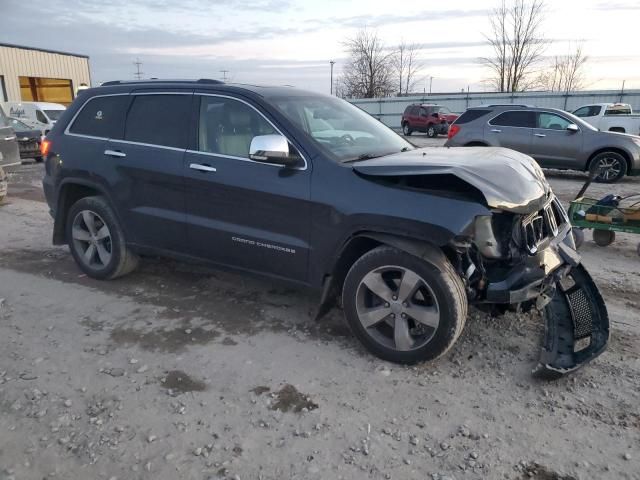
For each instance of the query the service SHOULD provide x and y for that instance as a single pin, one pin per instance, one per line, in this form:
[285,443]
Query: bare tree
[566,73]
[406,64]
[368,72]
[517,44]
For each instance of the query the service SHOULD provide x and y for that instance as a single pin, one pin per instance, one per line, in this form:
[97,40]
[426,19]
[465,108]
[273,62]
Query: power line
[138,73]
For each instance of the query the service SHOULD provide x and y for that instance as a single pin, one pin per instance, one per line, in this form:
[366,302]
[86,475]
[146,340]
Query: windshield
[53,114]
[343,130]
[15,123]
[578,121]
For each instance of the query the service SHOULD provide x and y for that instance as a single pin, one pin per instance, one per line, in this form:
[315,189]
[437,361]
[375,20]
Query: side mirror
[573,128]
[271,149]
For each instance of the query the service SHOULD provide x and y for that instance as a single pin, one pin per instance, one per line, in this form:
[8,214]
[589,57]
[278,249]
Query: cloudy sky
[291,41]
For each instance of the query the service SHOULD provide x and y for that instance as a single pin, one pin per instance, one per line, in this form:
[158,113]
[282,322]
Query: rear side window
[470,116]
[159,120]
[102,117]
[519,118]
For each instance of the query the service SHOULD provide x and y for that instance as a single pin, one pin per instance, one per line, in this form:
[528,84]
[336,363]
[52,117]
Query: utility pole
[430,84]
[224,75]
[331,87]
[138,73]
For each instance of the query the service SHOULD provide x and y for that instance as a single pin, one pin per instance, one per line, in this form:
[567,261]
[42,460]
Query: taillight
[44,147]
[453,130]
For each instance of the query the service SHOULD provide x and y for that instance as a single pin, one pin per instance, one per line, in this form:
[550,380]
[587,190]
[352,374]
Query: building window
[37,89]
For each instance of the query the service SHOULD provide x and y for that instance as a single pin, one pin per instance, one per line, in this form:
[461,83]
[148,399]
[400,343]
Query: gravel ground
[177,371]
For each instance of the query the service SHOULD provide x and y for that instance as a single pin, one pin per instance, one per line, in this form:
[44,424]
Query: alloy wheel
[609,167]
[397,308]
[92,239]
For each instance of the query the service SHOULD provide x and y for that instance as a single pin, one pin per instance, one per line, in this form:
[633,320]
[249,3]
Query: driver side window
[227,126]
[551,121]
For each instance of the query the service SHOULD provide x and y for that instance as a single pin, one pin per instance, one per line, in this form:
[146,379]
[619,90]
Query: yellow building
[38,75]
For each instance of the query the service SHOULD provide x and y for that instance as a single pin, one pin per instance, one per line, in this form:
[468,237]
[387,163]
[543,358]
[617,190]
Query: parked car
[39,115]
[9,151]
[405,237]
[555,139]
[611,117]
[426,118]
[28,139]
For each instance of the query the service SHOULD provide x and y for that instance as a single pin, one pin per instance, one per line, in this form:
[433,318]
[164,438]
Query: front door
[511,129]
[552,145]
[9,150]
[244,213]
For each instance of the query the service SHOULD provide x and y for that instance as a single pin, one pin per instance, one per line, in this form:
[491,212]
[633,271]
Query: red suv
[427,118]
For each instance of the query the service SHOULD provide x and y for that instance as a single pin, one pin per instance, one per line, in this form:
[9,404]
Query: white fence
[389,110]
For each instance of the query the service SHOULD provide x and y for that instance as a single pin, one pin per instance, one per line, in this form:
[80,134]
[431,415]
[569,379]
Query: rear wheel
[578,236]
[406,130]
[402,308]
[603,238]
[431,131]
[611,165]
[97,241]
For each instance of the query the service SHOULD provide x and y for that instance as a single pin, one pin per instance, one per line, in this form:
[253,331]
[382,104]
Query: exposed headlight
[484,238]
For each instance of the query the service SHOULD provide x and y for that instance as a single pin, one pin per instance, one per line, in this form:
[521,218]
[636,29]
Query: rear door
[552,145]
[146,168]
[9,150]
[511,129]
[244,213]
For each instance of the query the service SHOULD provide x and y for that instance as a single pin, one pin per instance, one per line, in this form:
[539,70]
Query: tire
[638,249]
[613,165]
[431,131]
[38,159]
[603,238]
[406,130]
[85,230]
[578,236]
[438,292]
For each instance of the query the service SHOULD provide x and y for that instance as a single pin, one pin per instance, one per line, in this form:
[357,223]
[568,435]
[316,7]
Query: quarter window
[516,118]
[227,126]
[552,121]
[159,120]
[102,117]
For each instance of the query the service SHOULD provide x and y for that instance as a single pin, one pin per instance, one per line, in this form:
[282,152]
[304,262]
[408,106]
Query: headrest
[239,118]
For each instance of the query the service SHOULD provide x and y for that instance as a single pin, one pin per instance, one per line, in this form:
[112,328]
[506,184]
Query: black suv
[311,189]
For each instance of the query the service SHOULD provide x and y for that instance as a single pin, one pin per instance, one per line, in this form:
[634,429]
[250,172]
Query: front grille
[582,314]
[544,224]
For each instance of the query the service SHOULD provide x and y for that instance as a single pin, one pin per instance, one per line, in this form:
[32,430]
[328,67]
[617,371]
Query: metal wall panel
[389,110]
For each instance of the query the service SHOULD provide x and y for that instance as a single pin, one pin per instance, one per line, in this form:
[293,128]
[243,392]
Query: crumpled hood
[509,180]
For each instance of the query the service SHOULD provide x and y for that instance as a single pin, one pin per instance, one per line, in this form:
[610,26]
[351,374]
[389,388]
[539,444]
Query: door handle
[202,168]
[9,138]
[541,135]
[115,153]
[495,130]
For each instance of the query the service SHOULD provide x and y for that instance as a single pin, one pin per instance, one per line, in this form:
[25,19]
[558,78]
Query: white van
[38,115]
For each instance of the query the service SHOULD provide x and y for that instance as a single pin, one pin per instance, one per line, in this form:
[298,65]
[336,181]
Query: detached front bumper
[576,318]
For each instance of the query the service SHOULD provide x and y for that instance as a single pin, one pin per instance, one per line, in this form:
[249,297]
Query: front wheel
[431,131]
[406,130]
[611,167]
[604,238]
[97,241]
[402,308]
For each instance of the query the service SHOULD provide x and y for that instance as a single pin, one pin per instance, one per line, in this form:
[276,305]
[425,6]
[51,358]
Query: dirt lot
[181,372]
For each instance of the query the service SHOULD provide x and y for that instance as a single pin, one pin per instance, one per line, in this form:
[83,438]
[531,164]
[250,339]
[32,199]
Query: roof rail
[490,105]
[161,80]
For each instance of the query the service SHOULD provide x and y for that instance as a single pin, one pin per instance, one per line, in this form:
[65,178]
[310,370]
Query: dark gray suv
[554,138]
[308,188]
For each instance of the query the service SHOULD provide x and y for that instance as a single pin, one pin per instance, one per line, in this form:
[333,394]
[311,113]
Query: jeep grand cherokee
[309,188]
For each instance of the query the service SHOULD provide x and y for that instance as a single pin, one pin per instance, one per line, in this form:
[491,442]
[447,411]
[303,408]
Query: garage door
[39,89]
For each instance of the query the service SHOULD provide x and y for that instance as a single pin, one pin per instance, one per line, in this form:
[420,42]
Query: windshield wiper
[364,156]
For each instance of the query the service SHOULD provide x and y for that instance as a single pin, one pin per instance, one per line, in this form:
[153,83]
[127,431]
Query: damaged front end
[524,261]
